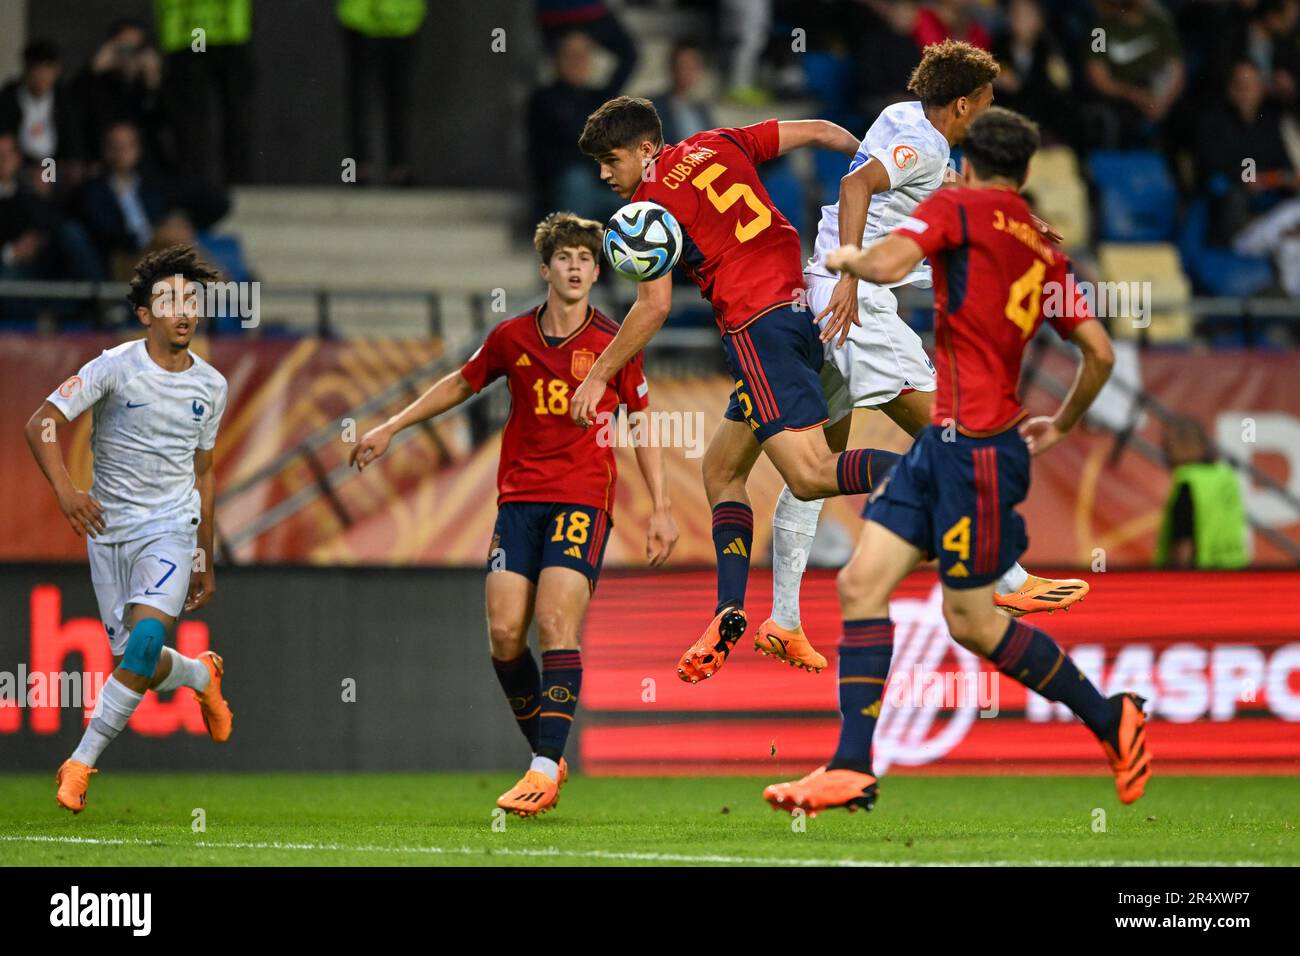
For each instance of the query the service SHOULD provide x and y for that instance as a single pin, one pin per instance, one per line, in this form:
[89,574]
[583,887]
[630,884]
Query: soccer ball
[643,241]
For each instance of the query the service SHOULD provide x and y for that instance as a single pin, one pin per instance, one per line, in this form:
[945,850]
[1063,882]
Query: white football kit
[883,356]
[148,423]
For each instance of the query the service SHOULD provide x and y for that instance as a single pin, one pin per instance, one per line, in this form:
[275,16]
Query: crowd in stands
[1209,88]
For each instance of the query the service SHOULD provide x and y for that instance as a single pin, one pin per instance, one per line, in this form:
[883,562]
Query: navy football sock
[1035,660]
[520,679]
[561,682]
[859,470]
[733,538]
[865,652]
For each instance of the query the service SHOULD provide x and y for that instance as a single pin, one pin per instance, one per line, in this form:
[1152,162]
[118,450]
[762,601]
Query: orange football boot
[1042,594]
[73,779]
[216,712]
[773,640]
[824,790]
[1127,751]
[707,655]
[564,778]
[535,793]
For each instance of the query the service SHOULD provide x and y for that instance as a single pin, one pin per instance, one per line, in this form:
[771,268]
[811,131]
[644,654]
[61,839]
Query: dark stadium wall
[467,101]
[413,642]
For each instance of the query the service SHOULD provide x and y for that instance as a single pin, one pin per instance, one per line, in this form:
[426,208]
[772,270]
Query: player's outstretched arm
[84,513]
[661,534]
[644,319]
[888,259]
[796,134]
[447,393]
[1090,336]
[203,581]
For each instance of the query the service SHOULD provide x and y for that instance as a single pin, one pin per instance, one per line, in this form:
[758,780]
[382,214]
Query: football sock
[520,679]
[865,650]
[859,470]
[185,672]
[116,704]
[547,766]
[1013,580]
[794,526]
[733,536]
[561,682]
[1029,656]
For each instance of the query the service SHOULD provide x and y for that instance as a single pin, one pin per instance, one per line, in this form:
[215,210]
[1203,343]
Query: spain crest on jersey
[581,362]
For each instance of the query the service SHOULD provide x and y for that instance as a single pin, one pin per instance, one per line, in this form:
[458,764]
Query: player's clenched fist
[84,513]
[586,400]
[660,537]
[373,444]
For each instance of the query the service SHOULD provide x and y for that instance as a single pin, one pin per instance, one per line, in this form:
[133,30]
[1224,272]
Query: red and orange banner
[432,500]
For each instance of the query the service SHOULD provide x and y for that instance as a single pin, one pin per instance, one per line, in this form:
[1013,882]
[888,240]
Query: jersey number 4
[734,194]
[1022,302]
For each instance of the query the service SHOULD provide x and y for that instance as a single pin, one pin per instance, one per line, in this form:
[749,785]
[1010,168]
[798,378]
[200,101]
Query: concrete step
[350,202]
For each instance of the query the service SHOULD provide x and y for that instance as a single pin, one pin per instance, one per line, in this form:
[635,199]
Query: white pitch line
[612,855]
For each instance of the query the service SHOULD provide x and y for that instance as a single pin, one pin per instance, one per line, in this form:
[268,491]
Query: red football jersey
[990,267]
[742,253]
[544,455]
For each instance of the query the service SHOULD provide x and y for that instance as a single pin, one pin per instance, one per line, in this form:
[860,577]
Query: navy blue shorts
[531,535]
[775,362]
[957,500]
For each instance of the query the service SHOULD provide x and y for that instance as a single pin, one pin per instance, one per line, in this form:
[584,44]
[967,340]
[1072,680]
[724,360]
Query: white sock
[116,704]
[794,526]
[1013,580]
[547,766]
[185,672]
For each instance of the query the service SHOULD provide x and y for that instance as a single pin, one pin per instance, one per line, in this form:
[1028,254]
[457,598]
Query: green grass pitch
[447,819]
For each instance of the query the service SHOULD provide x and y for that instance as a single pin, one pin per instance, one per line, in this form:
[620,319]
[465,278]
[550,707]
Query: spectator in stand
[122,205]
[881,36]
[682,106]
[1035,77]
[1135,72]
[744,28]
[563,177]
[123,82]
[34,243]
[38,111]
[1244,126]
[1267,39]
[209,90]
[1204,523]
[381,42]
[950,20]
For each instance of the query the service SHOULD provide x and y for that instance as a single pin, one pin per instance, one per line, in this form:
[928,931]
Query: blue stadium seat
[829,167]
[787,193]
[1137,199]
[1218,270]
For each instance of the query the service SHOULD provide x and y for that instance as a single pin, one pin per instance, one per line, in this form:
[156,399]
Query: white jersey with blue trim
[148,423]
[915,155]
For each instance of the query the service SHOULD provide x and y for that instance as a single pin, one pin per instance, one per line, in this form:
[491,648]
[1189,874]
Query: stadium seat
[1137,199]
[1168,289]
[1218,270]
[1060,195]
[787,192]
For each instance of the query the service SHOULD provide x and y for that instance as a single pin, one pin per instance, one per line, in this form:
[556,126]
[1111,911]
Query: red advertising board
[1217,655]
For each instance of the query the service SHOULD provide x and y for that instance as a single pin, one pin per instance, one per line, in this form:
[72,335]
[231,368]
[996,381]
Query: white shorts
[882,358]
[153,571]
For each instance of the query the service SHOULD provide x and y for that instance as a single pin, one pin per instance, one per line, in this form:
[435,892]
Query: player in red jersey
[745,257]
[996,278]
[555,488]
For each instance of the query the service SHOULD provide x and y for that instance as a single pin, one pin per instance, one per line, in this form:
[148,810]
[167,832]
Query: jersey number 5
[736,192]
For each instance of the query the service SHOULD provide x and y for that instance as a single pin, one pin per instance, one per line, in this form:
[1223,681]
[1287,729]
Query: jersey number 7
[736,192]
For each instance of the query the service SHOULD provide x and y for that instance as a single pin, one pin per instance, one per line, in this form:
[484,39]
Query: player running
[873,357]
[745,257]
[954,495]
[555,488]
[157,407]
